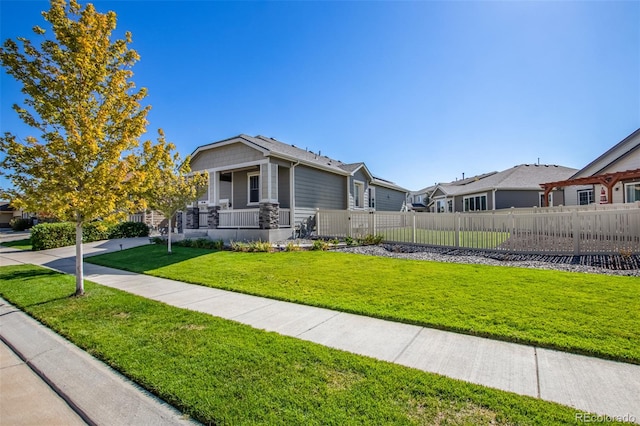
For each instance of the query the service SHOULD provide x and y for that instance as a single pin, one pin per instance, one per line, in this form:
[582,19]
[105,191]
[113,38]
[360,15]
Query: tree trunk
[79,268]
[169,237]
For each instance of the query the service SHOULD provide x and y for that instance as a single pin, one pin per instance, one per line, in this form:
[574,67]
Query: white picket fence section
[585,208]
[574,232]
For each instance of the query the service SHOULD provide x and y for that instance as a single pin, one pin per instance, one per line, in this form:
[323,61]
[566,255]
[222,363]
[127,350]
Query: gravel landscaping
[595,264]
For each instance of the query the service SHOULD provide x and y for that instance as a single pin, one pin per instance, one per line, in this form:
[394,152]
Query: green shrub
[370,240]
[129,230]
[252,247]
[350,241]
[320,245]
[94,231]
[52,235]
[20,224]
[201,243]
[291,246]
[158,240]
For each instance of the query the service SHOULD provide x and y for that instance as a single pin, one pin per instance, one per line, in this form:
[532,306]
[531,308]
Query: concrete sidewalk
[587,384]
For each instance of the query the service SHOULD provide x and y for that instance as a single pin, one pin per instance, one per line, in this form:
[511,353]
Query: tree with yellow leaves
[87,161]
[175,184]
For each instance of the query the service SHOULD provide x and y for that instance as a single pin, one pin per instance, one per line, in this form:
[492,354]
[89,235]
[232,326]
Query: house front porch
[268,222]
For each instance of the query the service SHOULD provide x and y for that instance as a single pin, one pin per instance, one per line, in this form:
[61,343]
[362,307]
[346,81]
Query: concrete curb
[99,394]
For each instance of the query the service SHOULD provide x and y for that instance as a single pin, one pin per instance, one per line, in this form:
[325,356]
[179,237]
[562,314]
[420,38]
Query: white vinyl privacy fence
[610,231]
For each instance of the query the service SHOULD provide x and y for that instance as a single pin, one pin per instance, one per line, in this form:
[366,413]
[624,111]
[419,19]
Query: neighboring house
[518,186]
[613,177]
[152,218]
[418,201]
[7,213]
[268,188]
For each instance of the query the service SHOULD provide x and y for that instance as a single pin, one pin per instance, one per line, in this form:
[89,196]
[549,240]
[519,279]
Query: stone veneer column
[193,218]
[213,220]
[268,217]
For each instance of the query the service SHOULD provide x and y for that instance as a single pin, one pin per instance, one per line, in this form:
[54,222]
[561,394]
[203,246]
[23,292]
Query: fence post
[575,227]
[375,224]
[413,227]
[457,220]
[512,224]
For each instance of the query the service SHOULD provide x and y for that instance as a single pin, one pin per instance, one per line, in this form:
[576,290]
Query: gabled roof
[6,207]
[620,150]
[521,177]
[272,147]
[427,190]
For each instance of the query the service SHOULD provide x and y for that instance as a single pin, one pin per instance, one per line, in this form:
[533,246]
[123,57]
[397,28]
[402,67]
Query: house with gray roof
[261,188]
[418,201]
[518,186]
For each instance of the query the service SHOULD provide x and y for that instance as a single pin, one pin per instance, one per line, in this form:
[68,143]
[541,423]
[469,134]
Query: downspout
[494,198]
[292,197]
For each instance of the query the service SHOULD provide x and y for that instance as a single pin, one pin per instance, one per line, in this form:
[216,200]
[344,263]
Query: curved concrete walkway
[587,384]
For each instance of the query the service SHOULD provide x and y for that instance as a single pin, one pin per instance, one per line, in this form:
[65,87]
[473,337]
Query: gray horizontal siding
[388,200]
[506,199]
[228,155]
[319,189]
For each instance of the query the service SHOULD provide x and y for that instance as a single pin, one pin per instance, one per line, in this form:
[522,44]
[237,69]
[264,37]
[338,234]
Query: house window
[585,197]
[358,194]
[254,188]
[542,199]
[632,192]
[372,198]
[475,203]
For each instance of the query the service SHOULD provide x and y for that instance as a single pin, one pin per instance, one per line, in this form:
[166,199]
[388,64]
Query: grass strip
[24,244]
[589,314]
[222,372]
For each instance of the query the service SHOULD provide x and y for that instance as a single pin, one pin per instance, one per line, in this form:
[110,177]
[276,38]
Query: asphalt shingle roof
[522,177]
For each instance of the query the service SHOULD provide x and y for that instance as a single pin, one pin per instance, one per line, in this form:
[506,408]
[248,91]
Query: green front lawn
[222,372]
[24,244]
[584,313]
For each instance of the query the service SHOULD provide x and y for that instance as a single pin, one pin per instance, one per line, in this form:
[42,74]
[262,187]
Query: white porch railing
[284,218]
[245,218]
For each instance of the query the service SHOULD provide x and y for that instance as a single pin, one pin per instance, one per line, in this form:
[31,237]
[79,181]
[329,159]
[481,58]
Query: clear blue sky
[419,91]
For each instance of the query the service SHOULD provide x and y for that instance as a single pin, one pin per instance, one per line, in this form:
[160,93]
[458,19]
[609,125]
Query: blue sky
[420,91]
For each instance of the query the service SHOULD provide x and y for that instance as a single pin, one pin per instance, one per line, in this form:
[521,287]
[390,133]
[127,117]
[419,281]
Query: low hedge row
[52,235]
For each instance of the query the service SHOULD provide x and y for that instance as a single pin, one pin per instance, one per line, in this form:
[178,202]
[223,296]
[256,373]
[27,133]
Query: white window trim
[467,197]
[626,196]
[540,198]
[593,195]
[372,196]
[249,176]
[356,184]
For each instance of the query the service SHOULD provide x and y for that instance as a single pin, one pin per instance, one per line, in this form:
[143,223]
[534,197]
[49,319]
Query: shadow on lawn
[148,257]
